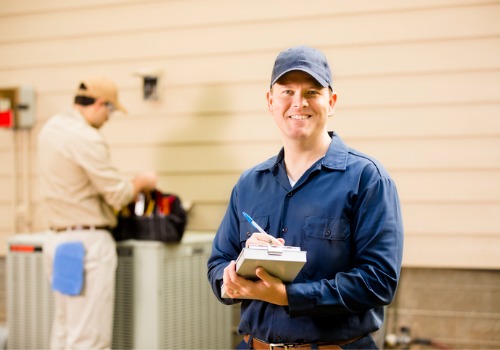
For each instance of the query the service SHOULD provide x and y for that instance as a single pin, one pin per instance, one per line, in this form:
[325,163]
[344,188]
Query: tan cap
[100,87]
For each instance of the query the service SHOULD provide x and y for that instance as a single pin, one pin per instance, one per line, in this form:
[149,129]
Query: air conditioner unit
[162,300]
[30,304]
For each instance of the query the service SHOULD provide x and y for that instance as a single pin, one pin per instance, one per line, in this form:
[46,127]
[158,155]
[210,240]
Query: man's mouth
[300,117]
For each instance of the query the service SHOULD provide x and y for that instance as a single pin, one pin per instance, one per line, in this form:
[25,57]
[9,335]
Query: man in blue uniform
[336,203]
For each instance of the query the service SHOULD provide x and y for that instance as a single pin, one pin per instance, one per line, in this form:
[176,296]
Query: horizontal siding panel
[191,129]
[462,154]
[416,57]
[7,216]
[166,126]
[199,188]
[6,140]
[395,155]
[418,154]
[418,189]
[422,89]
[351,61]
[13,7]
[196,100]
[6,162]
[417,89]
[375,92]
[191,187]
[452,252]
[420,122]
[418,26]
[38,218]
[206,216]
[187,70]
[7,192]
[239,12]
[469,219]
[449,186]
[113,16]
[204,158]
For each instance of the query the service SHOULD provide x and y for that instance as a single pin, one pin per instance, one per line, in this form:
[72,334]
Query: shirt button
[284,229]
[249,233]
[328,232]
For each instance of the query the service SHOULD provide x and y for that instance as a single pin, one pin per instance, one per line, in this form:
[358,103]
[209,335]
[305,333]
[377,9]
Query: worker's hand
[230,279]
[267,288]
[145,181]
[258,238]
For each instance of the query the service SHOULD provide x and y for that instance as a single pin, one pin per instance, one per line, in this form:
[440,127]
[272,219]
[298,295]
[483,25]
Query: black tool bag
[156,216]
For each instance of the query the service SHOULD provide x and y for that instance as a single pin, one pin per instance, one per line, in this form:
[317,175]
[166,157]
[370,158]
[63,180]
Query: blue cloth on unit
[67,277]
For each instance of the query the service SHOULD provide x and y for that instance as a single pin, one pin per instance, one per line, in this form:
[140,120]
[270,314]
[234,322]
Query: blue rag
[68,268]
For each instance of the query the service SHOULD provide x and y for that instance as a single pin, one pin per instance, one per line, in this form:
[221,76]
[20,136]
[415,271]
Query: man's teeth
[299,117]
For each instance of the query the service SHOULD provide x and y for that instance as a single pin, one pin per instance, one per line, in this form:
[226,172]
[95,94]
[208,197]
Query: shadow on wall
[198,142]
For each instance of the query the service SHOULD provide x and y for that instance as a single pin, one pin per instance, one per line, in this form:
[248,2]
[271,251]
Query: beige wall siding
[418,85]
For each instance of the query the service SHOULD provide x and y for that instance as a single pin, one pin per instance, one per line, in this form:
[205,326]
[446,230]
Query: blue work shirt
[344,211]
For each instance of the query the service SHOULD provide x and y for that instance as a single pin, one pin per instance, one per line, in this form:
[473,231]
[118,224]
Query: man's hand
[267,288]
[258,238]
[143,182]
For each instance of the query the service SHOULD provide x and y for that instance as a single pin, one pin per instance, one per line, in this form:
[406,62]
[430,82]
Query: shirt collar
[335,157]
[75,113]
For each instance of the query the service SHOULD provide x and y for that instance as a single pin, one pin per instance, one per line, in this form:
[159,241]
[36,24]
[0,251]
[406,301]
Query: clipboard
[283,262]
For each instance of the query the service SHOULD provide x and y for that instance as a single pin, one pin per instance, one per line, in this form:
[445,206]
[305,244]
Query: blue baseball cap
[306,59]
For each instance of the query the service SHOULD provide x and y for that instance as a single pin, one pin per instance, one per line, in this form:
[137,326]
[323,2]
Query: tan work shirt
[78,184]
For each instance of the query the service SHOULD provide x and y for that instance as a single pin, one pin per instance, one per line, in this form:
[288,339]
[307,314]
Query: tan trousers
[85,321]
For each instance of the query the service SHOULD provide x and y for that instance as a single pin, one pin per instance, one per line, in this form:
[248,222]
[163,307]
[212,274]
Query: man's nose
[300,101]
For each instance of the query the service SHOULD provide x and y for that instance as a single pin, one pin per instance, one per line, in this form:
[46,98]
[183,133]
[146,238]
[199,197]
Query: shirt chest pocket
[246,229]
[327,228]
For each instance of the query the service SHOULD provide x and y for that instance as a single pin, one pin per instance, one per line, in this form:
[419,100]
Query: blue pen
[254,224]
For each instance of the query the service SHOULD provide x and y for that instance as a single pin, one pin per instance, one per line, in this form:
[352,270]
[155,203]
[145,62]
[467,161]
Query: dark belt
[79,228]
[258,344]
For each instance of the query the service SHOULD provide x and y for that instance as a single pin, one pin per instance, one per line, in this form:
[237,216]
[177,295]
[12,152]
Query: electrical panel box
[17,107]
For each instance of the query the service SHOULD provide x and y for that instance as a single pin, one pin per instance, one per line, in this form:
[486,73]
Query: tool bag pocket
[156,216]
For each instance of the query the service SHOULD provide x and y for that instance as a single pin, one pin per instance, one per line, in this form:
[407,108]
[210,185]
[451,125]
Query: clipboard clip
[274,250]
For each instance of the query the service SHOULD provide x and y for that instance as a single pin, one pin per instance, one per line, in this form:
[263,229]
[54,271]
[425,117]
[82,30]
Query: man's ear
[100,101]
[269,97]
[333,101]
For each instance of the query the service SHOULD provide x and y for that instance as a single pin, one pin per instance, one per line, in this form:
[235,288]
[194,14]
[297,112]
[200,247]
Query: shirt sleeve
[95,160]
[225,248]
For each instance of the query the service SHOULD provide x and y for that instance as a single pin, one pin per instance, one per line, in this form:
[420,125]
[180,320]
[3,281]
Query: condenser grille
[192,318]
[162,298]
[30,304]
[123,321]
